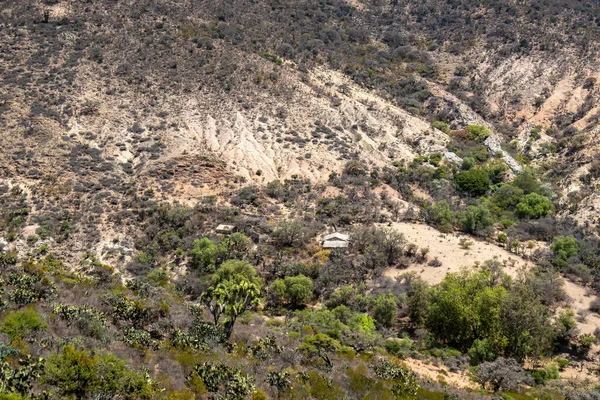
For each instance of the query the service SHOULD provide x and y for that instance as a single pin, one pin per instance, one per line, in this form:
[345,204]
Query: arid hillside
[170,170]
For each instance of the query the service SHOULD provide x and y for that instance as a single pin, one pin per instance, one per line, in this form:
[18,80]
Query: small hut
[336,241]
[226,229]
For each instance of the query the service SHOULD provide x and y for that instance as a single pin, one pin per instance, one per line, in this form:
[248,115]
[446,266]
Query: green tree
[527,182]
[320,346]
[481,350]
[441,215]
[474,182]
[18,324]
[418,302]
[385,309]
[203,255]
[507,197]
[293,290]
[474,219]
[234,288]
[533,206]
[526,324]
[291,234]
[466,306]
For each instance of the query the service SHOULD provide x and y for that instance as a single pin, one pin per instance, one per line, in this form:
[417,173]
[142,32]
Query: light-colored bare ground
[440,373]
[581,299]
[447,249]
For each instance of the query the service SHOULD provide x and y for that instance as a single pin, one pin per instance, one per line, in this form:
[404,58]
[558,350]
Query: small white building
[336,240]
[226,229]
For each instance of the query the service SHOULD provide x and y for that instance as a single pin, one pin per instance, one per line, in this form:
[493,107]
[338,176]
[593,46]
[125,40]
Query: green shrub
[203,255]
[442,126]
[562,363]
[79,373]
[292,290]
[564,247]
[18,324]
[546,374]
[478,132]
[533,206]
[481,351]
[474,219]
[468,163]
[474,182]
[502,238]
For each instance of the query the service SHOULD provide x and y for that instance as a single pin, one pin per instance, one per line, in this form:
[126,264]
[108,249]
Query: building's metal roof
[337,236]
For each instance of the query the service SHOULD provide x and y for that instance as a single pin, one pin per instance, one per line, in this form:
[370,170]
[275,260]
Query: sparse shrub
[465,243]
[502,374]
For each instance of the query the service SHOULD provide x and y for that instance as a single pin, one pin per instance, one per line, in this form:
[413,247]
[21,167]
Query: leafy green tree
[293,290]
[527,182]
[18,324]
[291,234]
[466,306]
[385,309]
[418,302]
[507,197]
[203,255]
[474,219]
[319,346]
[474,182]
[533,206]
[481,350]
[526,324]
[441,215]
[234,288]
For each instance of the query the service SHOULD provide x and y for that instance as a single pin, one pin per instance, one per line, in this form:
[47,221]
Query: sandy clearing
[581,304]
[440,374]
[446,247]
